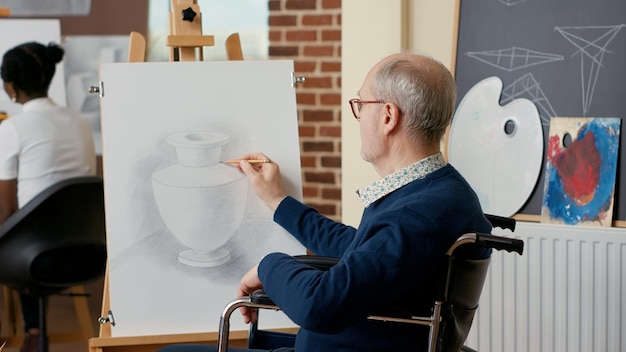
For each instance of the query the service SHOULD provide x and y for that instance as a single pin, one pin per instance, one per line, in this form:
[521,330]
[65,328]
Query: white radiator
[566,293]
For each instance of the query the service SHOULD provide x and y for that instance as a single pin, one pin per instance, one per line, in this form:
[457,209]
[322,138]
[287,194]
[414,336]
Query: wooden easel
[16,327]
[106,343]
[185,42]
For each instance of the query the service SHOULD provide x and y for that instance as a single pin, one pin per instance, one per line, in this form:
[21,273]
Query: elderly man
[412,215]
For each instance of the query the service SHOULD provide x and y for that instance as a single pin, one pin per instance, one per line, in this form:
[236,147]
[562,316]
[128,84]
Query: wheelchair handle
[489,241]
[500,243]
[501,222]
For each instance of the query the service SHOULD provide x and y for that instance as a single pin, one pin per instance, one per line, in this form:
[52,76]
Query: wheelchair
[456,300]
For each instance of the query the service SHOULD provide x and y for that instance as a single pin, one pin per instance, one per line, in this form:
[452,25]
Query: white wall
[371,30]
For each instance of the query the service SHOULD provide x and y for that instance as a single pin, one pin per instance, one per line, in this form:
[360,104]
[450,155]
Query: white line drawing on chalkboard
[514,58]
[511,2]
[592,43]
[527,87]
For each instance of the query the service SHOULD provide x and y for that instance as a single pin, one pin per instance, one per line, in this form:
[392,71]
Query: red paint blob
[579,168]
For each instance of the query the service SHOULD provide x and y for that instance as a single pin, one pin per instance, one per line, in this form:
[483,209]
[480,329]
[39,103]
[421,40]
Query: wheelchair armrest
[260,297]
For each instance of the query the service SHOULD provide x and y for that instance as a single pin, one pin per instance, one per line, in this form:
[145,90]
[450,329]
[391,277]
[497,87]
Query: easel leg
[82,312]
[14,317]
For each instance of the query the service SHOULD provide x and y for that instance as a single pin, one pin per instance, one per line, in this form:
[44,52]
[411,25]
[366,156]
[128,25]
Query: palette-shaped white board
[14,32]
[498,149]
[181,229]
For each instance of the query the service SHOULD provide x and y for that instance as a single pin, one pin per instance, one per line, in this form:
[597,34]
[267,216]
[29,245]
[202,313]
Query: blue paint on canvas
[560,204]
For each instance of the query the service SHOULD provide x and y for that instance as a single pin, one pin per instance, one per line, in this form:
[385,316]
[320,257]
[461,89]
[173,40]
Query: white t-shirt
[43,145]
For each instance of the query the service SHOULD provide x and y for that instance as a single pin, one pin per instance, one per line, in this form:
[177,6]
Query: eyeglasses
[356,105]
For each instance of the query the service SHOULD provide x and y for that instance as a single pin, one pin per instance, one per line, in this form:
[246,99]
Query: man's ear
[392,118]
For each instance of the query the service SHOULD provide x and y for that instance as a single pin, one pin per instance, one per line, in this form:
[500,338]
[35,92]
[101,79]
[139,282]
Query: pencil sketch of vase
[201,200]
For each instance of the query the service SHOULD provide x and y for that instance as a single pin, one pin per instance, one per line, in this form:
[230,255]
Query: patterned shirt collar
[392,182]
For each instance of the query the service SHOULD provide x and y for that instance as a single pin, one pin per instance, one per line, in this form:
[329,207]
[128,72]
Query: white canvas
[144,104]
[17,31]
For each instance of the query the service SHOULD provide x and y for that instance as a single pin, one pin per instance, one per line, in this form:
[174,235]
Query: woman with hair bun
[40,146]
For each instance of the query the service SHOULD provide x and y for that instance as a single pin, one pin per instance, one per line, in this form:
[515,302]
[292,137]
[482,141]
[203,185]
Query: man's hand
[265,179]
[249,283]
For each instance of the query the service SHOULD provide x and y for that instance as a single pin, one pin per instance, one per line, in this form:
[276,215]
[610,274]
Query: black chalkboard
[570,57]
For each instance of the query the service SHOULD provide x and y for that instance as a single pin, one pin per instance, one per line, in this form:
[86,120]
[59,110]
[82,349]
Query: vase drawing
[201,201]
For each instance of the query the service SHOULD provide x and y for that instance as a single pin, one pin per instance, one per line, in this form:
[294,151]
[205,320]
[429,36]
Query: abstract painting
[580,171]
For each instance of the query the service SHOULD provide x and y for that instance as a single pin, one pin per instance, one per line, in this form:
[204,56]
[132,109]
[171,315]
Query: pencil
[251,161]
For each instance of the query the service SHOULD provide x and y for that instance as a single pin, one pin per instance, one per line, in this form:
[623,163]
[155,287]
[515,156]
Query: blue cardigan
[386,264]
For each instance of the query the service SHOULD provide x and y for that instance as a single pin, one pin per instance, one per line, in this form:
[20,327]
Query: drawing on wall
[200,193]
[83,55]
[182,228]
[22,31]
[580,171]
[511,59]
[527,87]
[592,44]
[511,2]
[497,148]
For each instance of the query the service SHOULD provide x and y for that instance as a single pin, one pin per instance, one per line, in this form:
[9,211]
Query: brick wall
[309,32]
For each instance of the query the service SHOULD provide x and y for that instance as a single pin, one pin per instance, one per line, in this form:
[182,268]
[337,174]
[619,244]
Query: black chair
[456,300]
[54,242]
